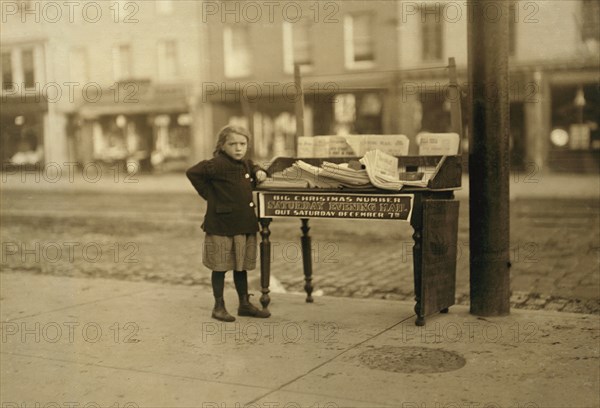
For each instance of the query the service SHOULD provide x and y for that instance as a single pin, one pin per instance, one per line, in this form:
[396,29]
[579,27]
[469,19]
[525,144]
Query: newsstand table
[432,212]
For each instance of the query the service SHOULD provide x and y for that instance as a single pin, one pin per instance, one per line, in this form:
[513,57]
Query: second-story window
[432,41]
[28,68]
[167,60]
[358,40]
[122,62]
[78,64]
[7,73]
[236,51]
[512,29]
[590,27]
[164,7]
[297,45]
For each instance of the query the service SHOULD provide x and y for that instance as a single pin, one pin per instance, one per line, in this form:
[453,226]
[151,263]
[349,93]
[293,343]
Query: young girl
[230,223]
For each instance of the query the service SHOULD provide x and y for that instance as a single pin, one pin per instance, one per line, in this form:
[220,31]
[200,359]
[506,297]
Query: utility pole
[489,215]
[299,103]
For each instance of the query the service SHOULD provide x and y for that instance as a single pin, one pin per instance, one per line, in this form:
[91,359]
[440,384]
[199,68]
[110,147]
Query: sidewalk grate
[419,360]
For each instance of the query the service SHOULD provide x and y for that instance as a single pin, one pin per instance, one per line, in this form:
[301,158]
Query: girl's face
[235,146]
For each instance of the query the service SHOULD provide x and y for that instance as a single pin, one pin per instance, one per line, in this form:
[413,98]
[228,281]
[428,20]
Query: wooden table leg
[265,262]
[306,259]
[417,224]
[417,265]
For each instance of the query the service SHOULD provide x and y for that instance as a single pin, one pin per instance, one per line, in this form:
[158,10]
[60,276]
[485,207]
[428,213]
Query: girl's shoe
[248,309]
[220,313]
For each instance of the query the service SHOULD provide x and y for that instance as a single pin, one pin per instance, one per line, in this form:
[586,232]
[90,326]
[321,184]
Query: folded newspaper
[383,172]
[382,169]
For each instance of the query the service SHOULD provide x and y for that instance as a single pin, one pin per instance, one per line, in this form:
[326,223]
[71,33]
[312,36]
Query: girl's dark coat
[226,184]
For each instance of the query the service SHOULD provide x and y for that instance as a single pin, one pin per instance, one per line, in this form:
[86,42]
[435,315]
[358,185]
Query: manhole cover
[420,360]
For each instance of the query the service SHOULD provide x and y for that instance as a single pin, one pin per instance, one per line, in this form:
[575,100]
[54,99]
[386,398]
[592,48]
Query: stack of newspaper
[329,175]
[345,175]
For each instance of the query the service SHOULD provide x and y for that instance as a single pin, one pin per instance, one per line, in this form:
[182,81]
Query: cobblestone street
[555,249]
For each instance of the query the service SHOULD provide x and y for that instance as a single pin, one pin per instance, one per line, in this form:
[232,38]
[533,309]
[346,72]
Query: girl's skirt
[223,253]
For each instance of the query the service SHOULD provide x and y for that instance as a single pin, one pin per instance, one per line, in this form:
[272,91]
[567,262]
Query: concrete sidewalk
[91,341]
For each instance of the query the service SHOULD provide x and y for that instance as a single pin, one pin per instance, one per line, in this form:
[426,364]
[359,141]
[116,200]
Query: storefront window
[575,113]
[172,138]
[435,113]
[22,137]
[358,113]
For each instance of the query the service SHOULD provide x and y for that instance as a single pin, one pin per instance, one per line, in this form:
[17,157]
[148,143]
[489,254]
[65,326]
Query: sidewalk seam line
[329,360]
[130,369]
[75,305]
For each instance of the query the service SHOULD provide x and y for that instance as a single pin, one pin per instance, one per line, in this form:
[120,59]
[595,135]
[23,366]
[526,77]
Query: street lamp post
[489,157]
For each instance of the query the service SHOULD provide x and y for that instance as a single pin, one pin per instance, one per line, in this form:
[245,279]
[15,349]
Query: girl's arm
[258,173]
[199,175]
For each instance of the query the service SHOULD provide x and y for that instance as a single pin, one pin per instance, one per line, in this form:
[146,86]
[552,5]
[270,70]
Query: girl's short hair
[225,132]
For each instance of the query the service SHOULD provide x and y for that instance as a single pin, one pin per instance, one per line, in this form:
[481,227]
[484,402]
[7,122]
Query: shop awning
[284,91]
[28,104]
[135,98]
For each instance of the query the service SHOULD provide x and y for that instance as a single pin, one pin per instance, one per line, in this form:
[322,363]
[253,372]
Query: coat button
[247,175]
[251,204]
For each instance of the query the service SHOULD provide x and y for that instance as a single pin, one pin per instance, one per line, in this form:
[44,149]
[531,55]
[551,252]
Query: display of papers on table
[375,169]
